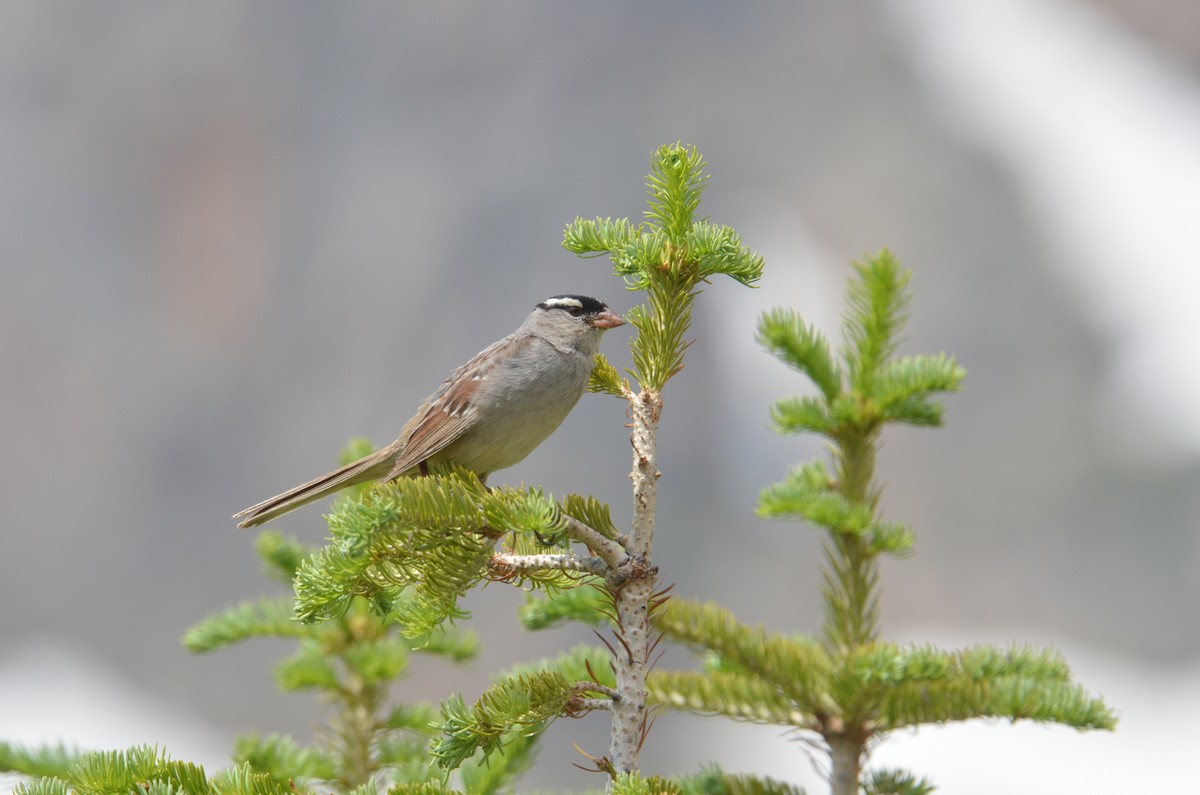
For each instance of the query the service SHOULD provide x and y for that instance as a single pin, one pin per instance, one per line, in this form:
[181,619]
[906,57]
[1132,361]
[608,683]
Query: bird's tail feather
[366,469]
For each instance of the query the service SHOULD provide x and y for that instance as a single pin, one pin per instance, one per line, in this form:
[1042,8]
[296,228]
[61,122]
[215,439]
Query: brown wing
[449,413]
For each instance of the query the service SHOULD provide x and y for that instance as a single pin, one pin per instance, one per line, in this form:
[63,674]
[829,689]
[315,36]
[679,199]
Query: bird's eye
[575,311]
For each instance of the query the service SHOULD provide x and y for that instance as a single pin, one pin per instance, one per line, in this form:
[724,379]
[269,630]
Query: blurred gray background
[235,235]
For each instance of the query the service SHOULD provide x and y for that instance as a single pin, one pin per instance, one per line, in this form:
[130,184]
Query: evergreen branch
[915,410]
[311,667]
[451,643]
[242,780]
[1006,697]
[907,376]
[606,380]
[734,695]
[849,584]
[809,493]
[279,757]
[792,415]
[45,760]
[598,236]
[926,685]
[580,663]
[797,667]
[523,704]
[501,770]
[668,258]
[376,661]
[893,538]
[904,386]
[420,788]
[405,757]
[642,260]
[587,605]
[281,556]
[413,548]
[633,783]
[412,717]
[674,186]
[896,782]
[134,768]
[525,513]
[714,781]
[788,338]
[42,786]
[262,618]
[592,513]
[759,785]
[634,251]
[877,301]
[889,665]
[418,533]
[662,325]
[719,250]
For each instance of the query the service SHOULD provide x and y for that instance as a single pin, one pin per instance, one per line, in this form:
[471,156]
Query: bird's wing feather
[448,413]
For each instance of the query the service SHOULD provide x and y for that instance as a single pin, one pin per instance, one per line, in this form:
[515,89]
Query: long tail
[372,467]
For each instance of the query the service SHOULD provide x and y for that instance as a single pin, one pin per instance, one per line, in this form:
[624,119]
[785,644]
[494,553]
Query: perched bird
[490,413]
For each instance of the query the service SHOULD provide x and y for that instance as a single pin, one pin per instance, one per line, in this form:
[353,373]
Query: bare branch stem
[606,549]
[503,564]
[632,597]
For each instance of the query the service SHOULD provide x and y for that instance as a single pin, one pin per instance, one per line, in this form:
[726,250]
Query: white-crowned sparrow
[490,413]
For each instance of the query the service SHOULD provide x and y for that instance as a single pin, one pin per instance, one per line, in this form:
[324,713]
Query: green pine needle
[787,337]
[415,546]
[605,379]
[279,757]
[522,704]
[598,236]
[662,325]
[42,786]
[421,788]
[674,186]
[243,780]
[719,250]
[576,664]
[133,769]
[668,257]
[797,667]
[714,781]
[46,760]
[281,556]
[451,643]
[311,667]
[501,769]
[635,784]
[792,415]
[922,684]
[413,717]
[877,312]
[261,618]
[592,513]
[586,605]
[895,782]
[809,493]
[904,386]
[735,695]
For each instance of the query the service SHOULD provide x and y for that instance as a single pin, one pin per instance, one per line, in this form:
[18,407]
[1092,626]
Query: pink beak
[607,319]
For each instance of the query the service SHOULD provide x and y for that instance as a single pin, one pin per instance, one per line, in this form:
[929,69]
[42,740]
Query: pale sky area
[1102,136]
